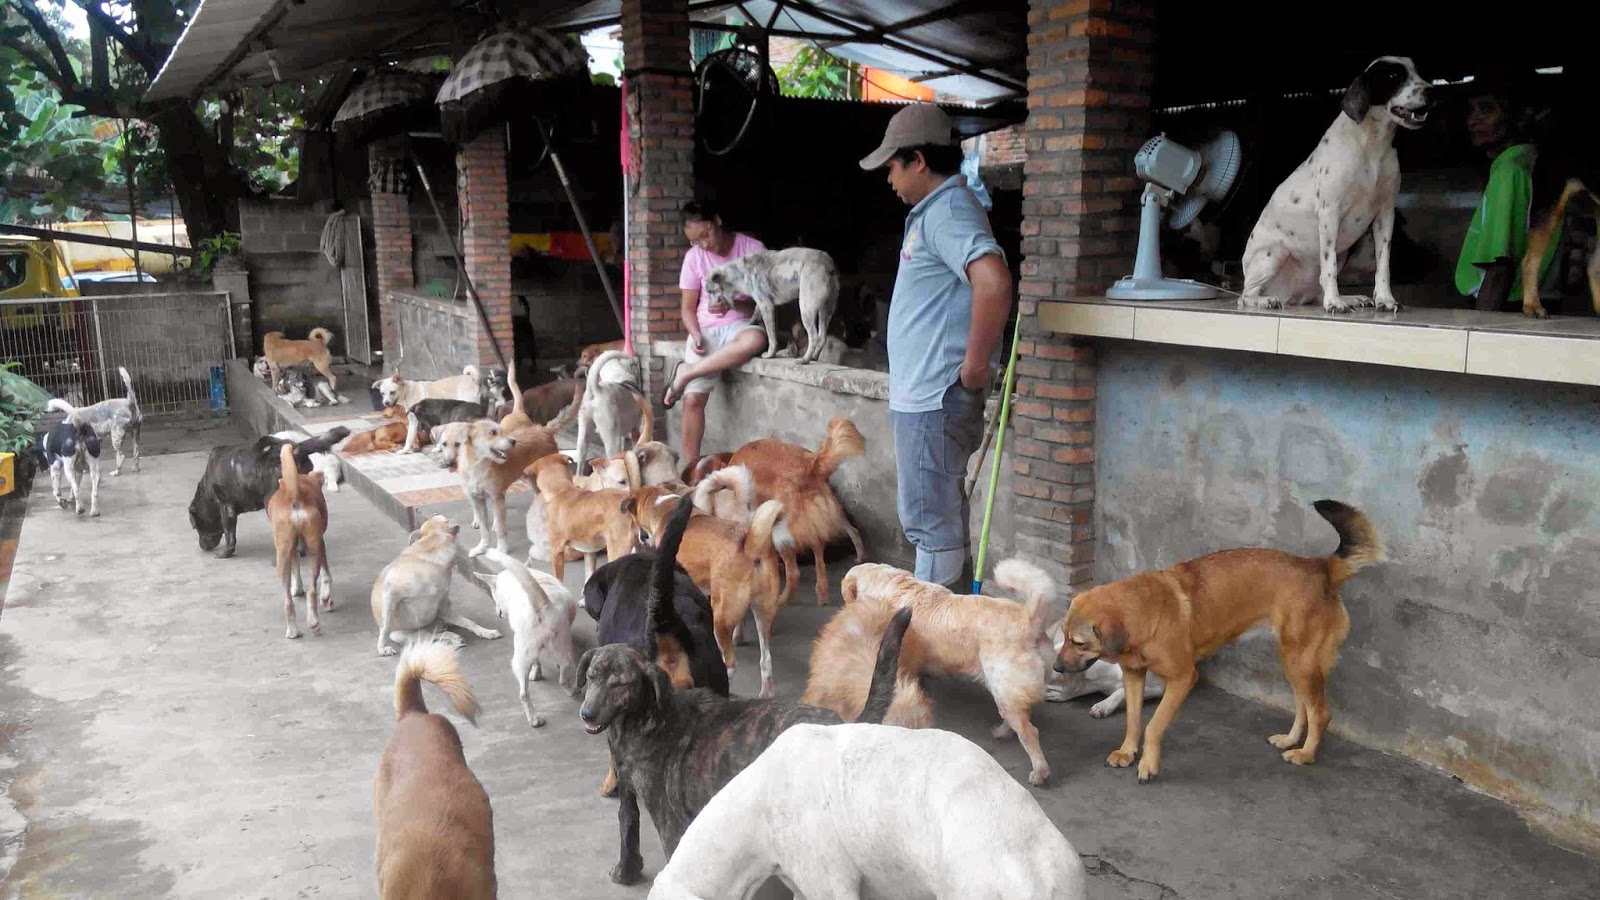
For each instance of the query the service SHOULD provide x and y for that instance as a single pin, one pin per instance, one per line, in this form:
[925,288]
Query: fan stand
[1147,282]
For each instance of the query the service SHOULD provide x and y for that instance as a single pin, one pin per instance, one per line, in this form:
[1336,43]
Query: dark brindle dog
[619,595]
[675,749]
[240,479]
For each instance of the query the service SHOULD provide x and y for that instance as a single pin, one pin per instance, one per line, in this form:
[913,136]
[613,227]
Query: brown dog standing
[435,825]
[299,514]
[1165,622]
[280,352]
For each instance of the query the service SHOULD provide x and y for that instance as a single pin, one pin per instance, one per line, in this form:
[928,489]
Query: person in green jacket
[1497,120]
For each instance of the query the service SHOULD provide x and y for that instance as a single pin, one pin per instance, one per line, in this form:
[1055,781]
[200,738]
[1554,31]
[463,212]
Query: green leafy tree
[817,73]
[208,155]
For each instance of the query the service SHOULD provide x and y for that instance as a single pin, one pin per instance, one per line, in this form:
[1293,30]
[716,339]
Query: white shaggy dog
[612,404]
[1100,678]
[873,811]
[540,610]
[329,464]
[1346,186]
[773,277]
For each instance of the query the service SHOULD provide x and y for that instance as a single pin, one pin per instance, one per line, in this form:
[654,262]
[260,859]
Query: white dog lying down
[1100,678]
[841,812]
[540,610]
[329,464]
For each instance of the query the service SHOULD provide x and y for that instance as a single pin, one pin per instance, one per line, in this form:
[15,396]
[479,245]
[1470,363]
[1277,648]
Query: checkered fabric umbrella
[517,69]
[385,102]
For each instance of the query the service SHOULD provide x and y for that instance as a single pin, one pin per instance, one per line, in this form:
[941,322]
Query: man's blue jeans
[931,451]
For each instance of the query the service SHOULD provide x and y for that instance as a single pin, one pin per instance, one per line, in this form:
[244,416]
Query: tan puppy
[589,521]
[435,825]
[489,461]
[280,353]
[737,567]
[1165,622]
[997,642]
[798,478]
[395,390]
[412,594]
[299,515]
[389,436]
[842,660]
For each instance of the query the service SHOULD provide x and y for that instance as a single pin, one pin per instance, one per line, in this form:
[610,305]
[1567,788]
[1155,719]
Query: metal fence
[173,345]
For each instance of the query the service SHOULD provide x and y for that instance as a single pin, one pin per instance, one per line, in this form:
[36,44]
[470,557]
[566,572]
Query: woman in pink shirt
[720,336]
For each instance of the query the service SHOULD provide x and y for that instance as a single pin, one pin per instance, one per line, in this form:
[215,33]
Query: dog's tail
[600,362]
[61,406]
[133,399]
[505,563]
[734,478]
[647,418]
[887,671]
[1359,544]
[635,472]
[517,408]
[291,474]
[433,661]
[844,440]
[323,443]
[1032,584]
[662,617]
[759,540]
[322,335]
[568,414]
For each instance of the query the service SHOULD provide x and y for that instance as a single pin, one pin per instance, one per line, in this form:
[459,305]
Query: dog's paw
[94,512]
[1337,304]
[1054,693]
[1148,771]
[489,634]
[451,638]
[1386,303]
[1039,777]
[291,632]
[1300,757]
[1260,302]
[1120,758]
[1282,741]
[478,551]
[1103,708]
[388,650]
[80,510]
[225,553]
[1537,312]
[315,626]
[627,874]
[1002,732]
[536,721]
[1359,301]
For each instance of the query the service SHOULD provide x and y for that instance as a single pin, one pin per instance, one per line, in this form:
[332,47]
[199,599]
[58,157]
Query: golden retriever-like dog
[1167,621]
[798,478]
[590,521]
[845,652]
[435,825]
[1000,643]
[281,353]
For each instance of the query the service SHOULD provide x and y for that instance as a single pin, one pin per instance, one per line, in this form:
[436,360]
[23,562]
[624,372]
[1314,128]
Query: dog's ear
[455,529]
[660,685]
[414,536]
[1113,639]
[582,681]
[1357,98]
[627,507]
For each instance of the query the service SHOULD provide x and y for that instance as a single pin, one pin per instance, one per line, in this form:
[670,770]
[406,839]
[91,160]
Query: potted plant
[22,405]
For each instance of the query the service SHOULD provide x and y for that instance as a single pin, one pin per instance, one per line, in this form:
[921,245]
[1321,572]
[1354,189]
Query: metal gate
[173,345]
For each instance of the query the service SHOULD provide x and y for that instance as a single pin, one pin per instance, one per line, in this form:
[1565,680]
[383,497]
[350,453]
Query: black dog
[426,415]
[676,749]
[620,596]
[70,450]
[241,478]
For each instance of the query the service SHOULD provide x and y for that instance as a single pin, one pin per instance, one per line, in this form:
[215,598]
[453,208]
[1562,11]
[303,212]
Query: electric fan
[733,85]
[1189,178]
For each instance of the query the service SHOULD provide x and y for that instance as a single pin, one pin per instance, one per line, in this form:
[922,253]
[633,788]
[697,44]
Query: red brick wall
[486,237]
[1005,147]
[391,232]
[655,48]
[1090,70]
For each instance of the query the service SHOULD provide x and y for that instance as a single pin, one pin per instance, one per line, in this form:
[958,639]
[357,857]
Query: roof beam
[859,32]
[938,15]
[607,21]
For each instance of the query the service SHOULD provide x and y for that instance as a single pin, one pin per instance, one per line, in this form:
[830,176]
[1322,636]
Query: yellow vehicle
[30,268]
[8,473]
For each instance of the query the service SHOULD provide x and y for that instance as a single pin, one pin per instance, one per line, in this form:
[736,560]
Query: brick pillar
[388,177]
[1090,71]
[486,238]
[655,46]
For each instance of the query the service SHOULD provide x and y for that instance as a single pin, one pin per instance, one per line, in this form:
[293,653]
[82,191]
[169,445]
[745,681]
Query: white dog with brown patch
[1346,186]
[411,596]
[852,811]
[540,610]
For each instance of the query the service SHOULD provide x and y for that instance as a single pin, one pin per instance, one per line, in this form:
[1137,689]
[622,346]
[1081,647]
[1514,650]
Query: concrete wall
[293,286]
[777,398]
[1477,647]
[436,336]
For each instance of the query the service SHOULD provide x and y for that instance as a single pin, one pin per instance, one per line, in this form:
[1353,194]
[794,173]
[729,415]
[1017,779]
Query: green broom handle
[999,448]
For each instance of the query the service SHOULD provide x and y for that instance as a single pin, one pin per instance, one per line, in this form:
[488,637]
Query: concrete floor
[161,738]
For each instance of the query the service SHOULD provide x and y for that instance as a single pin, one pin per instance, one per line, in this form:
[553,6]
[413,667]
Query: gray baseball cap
[918,125]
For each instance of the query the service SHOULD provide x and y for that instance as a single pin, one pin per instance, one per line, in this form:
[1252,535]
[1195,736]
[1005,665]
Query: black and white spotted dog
[1346,186]
[71,449]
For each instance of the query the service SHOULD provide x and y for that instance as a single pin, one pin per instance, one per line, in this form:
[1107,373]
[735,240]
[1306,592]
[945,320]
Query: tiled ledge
[839,379]
[1564,350]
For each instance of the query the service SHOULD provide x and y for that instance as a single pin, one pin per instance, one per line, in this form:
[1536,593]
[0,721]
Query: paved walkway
[161,738]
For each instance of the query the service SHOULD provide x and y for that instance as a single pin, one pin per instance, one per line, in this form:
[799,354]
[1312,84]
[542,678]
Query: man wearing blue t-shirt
[952,296]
